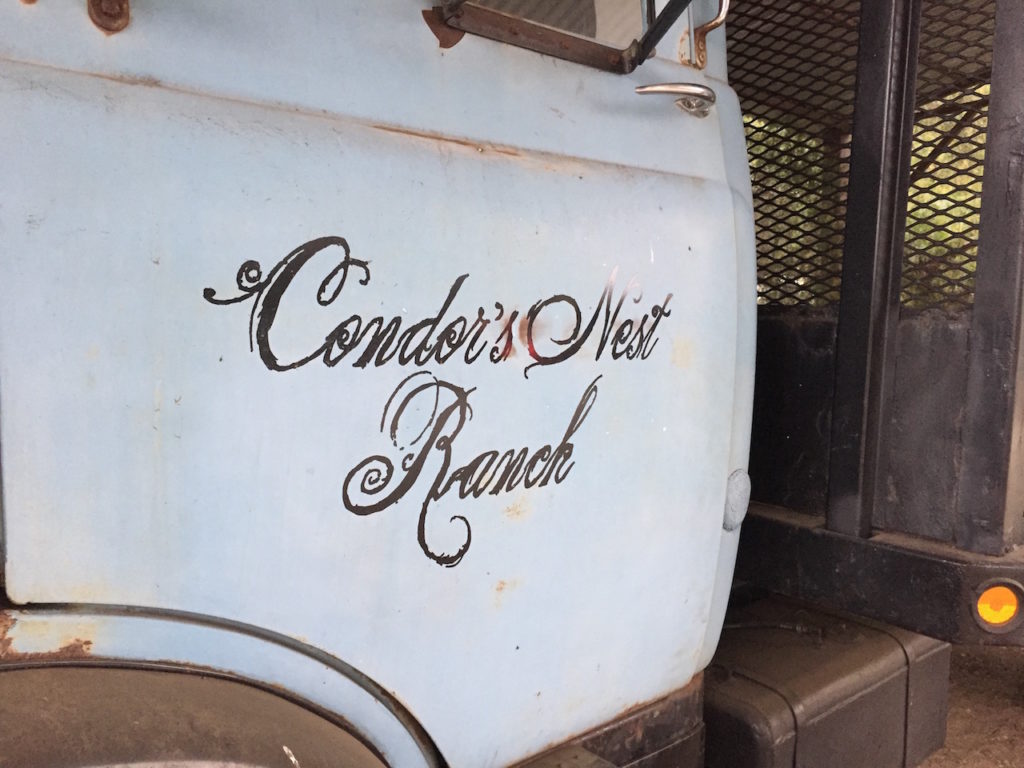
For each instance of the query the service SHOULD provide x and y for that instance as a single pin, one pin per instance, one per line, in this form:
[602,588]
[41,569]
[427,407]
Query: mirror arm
[668,16]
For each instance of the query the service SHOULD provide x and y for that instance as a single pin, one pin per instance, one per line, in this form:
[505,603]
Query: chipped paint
[6,623]
[291,756]
[69,650]
[518,509]
[682,353]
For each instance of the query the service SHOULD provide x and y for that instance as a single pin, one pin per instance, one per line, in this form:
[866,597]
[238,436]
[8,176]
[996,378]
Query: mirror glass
[615,23]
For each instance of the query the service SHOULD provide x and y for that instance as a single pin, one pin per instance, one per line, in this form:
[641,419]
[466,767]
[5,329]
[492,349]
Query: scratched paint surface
[199,412]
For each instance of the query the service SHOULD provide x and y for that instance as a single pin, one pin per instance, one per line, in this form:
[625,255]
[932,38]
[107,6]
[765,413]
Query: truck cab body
[411,382]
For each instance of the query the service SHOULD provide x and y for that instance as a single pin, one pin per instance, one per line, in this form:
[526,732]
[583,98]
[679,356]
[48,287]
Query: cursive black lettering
[377,483]
[437,338]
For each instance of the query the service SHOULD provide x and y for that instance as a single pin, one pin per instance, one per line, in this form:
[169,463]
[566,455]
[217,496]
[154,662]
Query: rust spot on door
[518,509]
[526,334]
[502,588]
[6,622]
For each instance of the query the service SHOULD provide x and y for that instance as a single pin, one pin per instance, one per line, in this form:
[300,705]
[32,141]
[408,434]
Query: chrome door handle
[693,98]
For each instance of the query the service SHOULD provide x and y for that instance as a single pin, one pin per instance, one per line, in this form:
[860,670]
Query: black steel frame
[991,502]
[903,580]
[869,298]
[841,558]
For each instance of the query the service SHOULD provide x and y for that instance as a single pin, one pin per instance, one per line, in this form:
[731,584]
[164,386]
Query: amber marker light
[998,605]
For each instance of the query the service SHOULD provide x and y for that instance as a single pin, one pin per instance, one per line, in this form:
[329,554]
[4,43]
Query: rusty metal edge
[640,731]
[447,37]
[568,755]
[651,727]
[522,33]
[76,649]
[426,744]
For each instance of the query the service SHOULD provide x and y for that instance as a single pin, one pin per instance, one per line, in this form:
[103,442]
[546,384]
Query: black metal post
[991,499]
[872,255]
[664,21]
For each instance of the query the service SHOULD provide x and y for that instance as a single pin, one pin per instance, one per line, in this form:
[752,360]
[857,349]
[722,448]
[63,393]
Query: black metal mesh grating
[947,154]
[793,64]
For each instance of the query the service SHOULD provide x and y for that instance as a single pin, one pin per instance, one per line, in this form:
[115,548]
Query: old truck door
[434,361]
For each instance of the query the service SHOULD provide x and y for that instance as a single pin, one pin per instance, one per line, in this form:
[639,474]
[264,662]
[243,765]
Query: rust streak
[151,82]
[524,331]
[447,139]
[426,135]
[503,150]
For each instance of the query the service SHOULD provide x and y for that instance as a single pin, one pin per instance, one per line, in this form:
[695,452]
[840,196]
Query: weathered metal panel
[923,449]
[381,64]
[195,419]
[991,504]
[793,408]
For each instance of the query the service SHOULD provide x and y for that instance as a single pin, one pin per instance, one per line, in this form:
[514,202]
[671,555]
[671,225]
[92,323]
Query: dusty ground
[986,712]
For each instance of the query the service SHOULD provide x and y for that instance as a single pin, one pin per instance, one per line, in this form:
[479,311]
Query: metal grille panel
[793,65]
[947,154]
